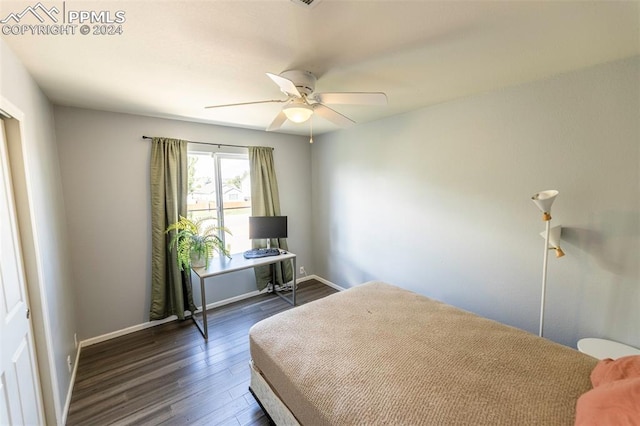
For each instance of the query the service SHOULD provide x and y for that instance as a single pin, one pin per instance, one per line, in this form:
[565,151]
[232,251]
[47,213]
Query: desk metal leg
[295,283]
[203,327]
[204,310]
[291,300]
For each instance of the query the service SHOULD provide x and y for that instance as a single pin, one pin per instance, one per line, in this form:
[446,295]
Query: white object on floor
[602,348]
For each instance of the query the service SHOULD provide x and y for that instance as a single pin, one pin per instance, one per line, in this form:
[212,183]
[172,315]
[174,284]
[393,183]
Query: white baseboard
[149,324]
[326,282]
[72,382]
[233,299]
[124,331]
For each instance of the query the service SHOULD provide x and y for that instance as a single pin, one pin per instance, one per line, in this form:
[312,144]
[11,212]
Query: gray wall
[105,175]
[41,215]
[438,201]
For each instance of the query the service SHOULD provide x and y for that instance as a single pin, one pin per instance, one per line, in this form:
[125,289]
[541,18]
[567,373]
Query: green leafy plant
[199,238]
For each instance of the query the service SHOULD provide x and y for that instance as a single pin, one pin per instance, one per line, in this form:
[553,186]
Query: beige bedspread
[377,354]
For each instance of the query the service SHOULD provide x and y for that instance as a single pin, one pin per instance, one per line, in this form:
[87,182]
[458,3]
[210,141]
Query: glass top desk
[224,265]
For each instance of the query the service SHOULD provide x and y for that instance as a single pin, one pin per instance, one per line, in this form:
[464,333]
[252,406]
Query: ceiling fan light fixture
[298,113]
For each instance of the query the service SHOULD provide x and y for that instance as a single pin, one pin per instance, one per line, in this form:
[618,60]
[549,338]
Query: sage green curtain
[170,288]
[265,201]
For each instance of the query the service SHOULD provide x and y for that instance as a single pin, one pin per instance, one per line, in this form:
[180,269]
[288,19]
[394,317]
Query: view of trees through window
[220,189]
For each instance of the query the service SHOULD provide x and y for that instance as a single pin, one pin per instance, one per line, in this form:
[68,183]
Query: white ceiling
[175,57]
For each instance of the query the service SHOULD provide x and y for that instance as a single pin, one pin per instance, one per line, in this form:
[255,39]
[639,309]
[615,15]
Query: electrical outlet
[69,362]
[302,271]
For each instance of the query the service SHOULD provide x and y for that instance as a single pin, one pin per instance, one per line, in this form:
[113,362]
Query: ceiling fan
[302,102]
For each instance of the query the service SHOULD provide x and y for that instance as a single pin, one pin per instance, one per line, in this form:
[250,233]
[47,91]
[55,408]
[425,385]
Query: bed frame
[273,407]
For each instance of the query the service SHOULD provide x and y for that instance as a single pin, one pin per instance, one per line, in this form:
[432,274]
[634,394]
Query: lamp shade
[555,234]
[298,113]
[544,200]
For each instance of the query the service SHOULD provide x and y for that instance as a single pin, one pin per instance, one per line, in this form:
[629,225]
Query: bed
[378,354]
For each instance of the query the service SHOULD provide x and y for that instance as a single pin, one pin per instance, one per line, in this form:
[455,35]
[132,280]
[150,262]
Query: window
[220,188]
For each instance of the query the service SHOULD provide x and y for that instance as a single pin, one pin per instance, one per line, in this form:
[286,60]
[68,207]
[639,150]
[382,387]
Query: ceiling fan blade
[352,98]
[332,115]
[286,85]
[246,103]
[277,122]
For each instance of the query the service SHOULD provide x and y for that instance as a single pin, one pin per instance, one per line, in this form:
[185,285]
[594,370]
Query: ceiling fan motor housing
[304,81]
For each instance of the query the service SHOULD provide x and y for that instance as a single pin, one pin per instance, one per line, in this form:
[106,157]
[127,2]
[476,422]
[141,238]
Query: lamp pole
[544,273]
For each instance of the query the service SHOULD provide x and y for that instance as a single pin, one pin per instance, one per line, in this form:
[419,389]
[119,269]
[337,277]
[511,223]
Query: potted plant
[196,241]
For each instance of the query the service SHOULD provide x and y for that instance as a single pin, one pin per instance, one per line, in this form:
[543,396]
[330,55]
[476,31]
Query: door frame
[48,393]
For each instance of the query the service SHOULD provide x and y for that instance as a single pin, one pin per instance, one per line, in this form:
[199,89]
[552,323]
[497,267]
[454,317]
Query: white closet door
[19,393]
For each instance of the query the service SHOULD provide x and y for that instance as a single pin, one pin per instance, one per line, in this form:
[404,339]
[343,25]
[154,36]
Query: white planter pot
[198,261]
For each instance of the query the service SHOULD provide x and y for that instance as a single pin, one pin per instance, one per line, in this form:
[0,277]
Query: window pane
[201,199]
[236,200]
[234,195]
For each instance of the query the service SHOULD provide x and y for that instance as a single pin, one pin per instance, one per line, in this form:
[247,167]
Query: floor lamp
[544,200]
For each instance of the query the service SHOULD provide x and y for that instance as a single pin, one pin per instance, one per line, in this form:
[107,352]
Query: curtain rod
[208,143]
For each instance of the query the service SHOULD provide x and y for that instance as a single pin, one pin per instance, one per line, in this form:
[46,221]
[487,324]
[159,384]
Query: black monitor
[267,227]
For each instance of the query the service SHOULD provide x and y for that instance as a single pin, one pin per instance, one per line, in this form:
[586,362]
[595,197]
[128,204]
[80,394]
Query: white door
[19,389]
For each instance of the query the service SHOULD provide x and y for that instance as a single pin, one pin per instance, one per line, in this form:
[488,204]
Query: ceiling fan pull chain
[311,130]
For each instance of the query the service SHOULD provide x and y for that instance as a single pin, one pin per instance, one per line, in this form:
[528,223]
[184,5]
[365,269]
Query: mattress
[378,354]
